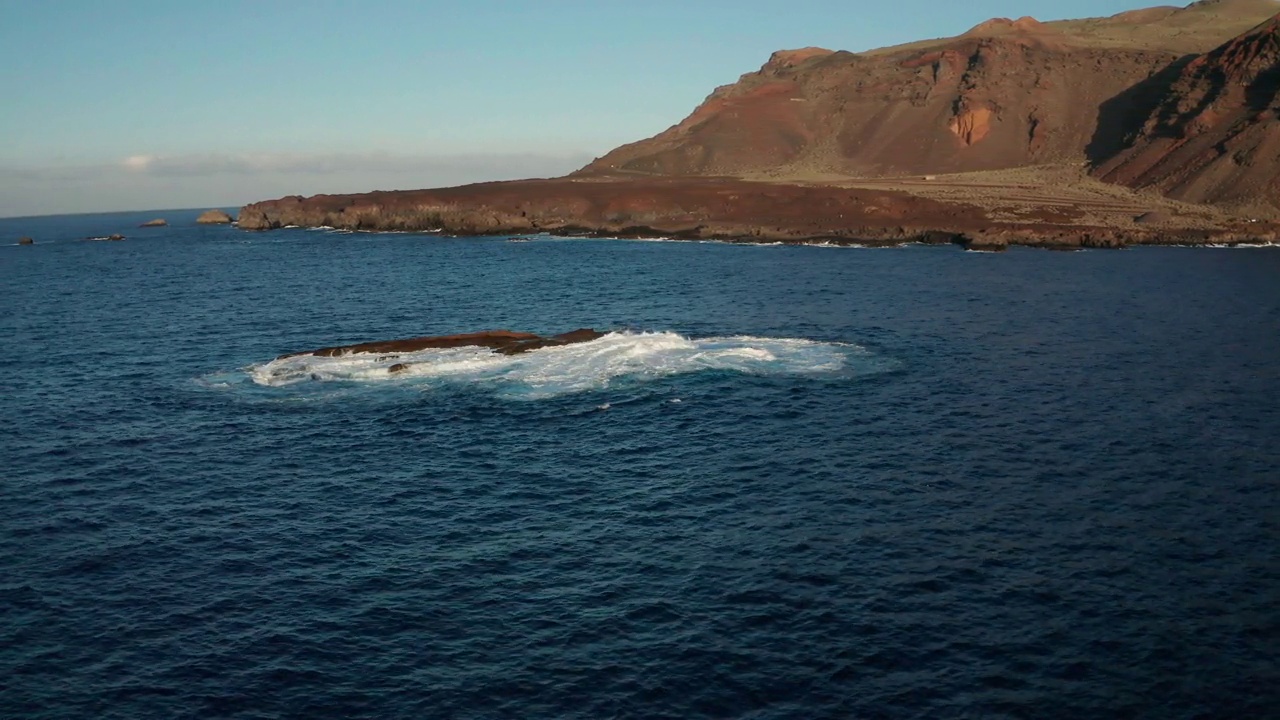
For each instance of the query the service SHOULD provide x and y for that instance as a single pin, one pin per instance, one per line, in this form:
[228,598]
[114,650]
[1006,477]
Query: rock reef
[504,342]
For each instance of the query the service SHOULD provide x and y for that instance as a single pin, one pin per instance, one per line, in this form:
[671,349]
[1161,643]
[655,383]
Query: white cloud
[510,165]
[138,162]
[150,181]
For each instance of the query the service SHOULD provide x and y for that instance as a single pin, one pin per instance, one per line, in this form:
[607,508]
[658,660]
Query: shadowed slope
[1216,135]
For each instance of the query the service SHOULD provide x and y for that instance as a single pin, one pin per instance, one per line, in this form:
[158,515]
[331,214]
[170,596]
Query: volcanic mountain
[1008,93]
[1215,136]
[986,138]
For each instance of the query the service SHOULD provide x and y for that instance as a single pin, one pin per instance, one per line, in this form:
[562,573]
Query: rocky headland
[1152,126]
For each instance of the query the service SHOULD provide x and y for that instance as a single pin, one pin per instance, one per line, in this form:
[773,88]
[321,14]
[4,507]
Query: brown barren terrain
[1152,126]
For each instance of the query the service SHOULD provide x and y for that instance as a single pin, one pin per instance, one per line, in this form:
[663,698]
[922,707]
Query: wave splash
[574,368]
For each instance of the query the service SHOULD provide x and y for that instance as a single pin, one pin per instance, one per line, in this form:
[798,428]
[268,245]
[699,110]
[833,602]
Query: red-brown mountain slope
[1008,93]
[1216,135]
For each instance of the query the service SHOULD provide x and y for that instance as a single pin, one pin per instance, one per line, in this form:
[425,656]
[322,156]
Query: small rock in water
[213,217]
[26,241]
[158,222]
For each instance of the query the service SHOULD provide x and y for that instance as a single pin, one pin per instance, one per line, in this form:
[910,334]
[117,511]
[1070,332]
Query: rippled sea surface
[796,482]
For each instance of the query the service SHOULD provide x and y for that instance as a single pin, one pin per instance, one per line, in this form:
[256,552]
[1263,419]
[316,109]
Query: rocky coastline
[721,209]
[1155,128]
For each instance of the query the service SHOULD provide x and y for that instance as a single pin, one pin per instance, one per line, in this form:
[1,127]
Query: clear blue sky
[139,104]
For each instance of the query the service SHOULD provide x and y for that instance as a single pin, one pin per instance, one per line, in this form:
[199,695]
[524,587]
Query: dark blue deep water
[1027,485]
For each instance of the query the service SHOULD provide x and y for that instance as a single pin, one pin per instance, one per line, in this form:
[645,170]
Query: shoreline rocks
[723,209]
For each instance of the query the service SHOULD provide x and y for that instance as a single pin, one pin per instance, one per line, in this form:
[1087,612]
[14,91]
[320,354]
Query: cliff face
[1008,93]
[1215,137]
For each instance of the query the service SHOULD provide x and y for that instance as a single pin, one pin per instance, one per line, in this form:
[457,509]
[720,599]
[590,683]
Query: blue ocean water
[796,482]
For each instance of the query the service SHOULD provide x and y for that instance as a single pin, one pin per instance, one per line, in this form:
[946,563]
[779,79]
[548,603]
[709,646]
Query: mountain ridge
[1006,93]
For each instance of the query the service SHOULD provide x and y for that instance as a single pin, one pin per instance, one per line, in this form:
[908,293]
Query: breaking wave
[636,356]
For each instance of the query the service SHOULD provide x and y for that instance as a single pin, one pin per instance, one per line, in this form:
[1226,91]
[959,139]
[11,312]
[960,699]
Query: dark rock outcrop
[505,342]
[214,217]
[158,222]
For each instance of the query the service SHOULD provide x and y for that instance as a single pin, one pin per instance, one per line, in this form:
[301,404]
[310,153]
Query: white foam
[570,368]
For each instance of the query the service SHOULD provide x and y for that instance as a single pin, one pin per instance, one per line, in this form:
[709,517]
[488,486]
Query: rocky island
[213,217]
[1151,126]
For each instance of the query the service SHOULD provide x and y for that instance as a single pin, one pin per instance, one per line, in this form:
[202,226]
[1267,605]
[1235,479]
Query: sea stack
[158,222]
[214,217]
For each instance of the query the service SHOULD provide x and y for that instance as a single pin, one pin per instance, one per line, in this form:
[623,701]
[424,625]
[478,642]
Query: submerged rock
[505,342]
[158,222]
[213,217]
